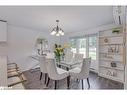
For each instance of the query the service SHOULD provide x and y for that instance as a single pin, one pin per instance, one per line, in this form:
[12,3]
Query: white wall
[88,31]
[21,44]
[65,39]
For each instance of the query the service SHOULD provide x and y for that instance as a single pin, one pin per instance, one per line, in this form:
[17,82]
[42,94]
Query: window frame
[87,43]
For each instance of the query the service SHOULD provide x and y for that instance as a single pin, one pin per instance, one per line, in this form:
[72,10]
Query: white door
[86,45]
[92,52]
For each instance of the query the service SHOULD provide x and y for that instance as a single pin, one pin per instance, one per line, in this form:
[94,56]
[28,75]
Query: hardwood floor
[33,82]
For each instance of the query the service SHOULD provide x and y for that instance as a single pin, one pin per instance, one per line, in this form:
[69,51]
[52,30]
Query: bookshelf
[112,54]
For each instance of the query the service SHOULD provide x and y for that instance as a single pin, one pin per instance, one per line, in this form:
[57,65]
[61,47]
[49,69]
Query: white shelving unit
[112,55]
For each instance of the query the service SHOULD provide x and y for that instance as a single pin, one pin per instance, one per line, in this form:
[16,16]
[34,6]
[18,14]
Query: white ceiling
[72,19]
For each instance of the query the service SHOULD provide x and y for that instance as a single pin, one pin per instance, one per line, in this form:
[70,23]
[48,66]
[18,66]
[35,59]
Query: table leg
[67,68]
[59,66]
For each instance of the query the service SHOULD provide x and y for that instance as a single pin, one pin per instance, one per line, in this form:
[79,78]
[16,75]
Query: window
[82,46]
[73,45]
[92,47]
[85,45]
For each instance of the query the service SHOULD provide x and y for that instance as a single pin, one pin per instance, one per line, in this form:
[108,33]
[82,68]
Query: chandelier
[57,30]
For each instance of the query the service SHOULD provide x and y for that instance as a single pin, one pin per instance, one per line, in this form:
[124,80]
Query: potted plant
[59,52]
[116,30]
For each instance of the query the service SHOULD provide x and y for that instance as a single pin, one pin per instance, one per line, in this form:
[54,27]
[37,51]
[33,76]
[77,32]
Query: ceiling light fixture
[57,30]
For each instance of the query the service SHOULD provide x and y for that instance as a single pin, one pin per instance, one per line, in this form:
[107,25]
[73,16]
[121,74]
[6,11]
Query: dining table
[62,63]
[69,65]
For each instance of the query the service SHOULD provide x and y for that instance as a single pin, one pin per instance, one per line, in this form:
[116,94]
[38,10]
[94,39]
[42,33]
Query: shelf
[111,77]
[111,44]
[115,42]
[111,53]
[119,27]
[116,68]
[110,60]
[120,35]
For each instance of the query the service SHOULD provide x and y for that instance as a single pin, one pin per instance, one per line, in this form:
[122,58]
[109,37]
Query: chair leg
[82,84]
[40,75]
[68,82]
[88,83]
[77,80]
[48,81]
[55,83]
[45,77]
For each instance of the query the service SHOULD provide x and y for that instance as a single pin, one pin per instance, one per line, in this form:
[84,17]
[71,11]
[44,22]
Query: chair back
[43,64]
[68,56]
[52,69]
[78,57]
[50,55]
[85,68]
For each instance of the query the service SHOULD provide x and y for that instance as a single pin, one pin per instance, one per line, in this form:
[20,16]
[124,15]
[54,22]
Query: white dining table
[67,65]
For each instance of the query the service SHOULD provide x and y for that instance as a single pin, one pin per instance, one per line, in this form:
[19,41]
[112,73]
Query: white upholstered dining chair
[78,60]
[83,72]
[54,72]
[78,57]
[43,68]
[68,57]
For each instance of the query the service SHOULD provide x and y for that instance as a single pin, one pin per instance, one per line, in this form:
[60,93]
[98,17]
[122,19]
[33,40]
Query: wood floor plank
[96,82]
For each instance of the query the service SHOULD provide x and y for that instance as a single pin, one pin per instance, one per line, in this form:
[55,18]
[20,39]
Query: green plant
[59,52]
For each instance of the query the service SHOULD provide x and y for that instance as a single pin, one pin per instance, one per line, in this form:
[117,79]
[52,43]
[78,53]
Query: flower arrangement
[59,52]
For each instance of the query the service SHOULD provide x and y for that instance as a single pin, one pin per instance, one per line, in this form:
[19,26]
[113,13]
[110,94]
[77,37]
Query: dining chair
[77,60]
[68,57]
[43,68]
[78,57]
[55,73]
[83,72]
